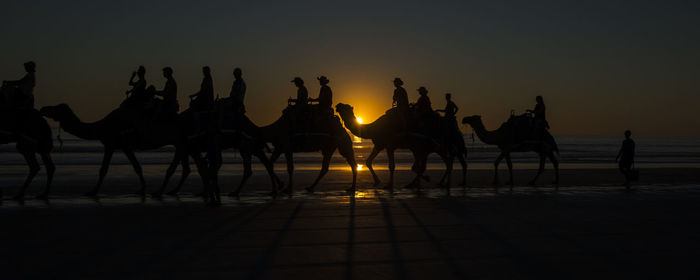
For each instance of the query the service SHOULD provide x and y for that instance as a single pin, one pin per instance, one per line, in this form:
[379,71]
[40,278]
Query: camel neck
[360,130]
[73,125]
[488,137]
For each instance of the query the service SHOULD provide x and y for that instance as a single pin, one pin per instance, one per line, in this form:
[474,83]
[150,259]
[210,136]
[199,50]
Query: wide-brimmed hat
[398,81]
[297,79]
[422,90]
[323,79]
[30,65]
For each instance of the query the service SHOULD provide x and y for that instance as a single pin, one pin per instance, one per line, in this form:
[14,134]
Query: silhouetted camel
[117,132]
[287,141]
[505,138]
[33,138]
[385,135]
[247,139]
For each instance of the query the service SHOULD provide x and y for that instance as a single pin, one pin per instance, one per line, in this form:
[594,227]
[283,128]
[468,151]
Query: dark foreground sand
[576,232]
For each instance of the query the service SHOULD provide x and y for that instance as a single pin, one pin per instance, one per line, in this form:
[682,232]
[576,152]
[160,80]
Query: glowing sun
[359,120]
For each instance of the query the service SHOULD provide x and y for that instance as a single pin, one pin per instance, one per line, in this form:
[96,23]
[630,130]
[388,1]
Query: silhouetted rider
[400,98]
[302,94]
[540,113]
[169,92]
[325,98]
[204,98]
[400,101]
[450,109]
[138,87]
[423,106]
[238,92]
[300,113]
[22,94]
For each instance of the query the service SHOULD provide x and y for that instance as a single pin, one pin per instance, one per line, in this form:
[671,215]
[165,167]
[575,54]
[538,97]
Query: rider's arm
[131,80]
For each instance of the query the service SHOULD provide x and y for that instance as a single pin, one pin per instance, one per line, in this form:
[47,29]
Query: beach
[573,233]
[588,227]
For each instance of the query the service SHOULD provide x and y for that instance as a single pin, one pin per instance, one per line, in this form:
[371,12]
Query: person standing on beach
[625,158]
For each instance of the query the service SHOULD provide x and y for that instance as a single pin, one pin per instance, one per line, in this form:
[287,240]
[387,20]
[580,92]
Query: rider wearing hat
[423,107]
[400,98]
[24,86]
[302,93]
[325,99]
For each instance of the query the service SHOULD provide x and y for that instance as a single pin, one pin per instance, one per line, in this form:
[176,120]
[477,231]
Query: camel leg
[169,173]
[447,176]
[463,162]
[539,171]
[290,172]
[185,163]
[33,170]
[106,158]
[202,169]
[215,162]
[269,166]
[422,164]
[353,167]
[370,159]
[50,170]
[324,169]
[495,164]
[509,162]
[392,166]
[555,163]
[275,155]
[247,172]
[137,168]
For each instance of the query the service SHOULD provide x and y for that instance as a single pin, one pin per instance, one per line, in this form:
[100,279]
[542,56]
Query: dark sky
[602,66]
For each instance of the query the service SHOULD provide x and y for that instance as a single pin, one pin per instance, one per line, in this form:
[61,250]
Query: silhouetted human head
[141,71]
[206,71]
[298,81]
[323,80]
[448,96]
[539,99]
[398,82]
[422,91]
[30,66]
[628,134]
[167,72]
[237,73]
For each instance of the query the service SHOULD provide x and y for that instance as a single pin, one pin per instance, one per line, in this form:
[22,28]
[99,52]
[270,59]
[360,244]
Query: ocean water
[576,152]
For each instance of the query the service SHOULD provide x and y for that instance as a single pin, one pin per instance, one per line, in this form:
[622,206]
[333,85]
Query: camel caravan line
[204,130]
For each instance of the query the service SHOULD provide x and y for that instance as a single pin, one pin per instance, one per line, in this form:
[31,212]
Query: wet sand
[579,231]
[122,180]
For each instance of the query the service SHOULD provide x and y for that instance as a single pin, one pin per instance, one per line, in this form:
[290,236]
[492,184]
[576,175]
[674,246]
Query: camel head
[57,113]
[345,110]
[471,120]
